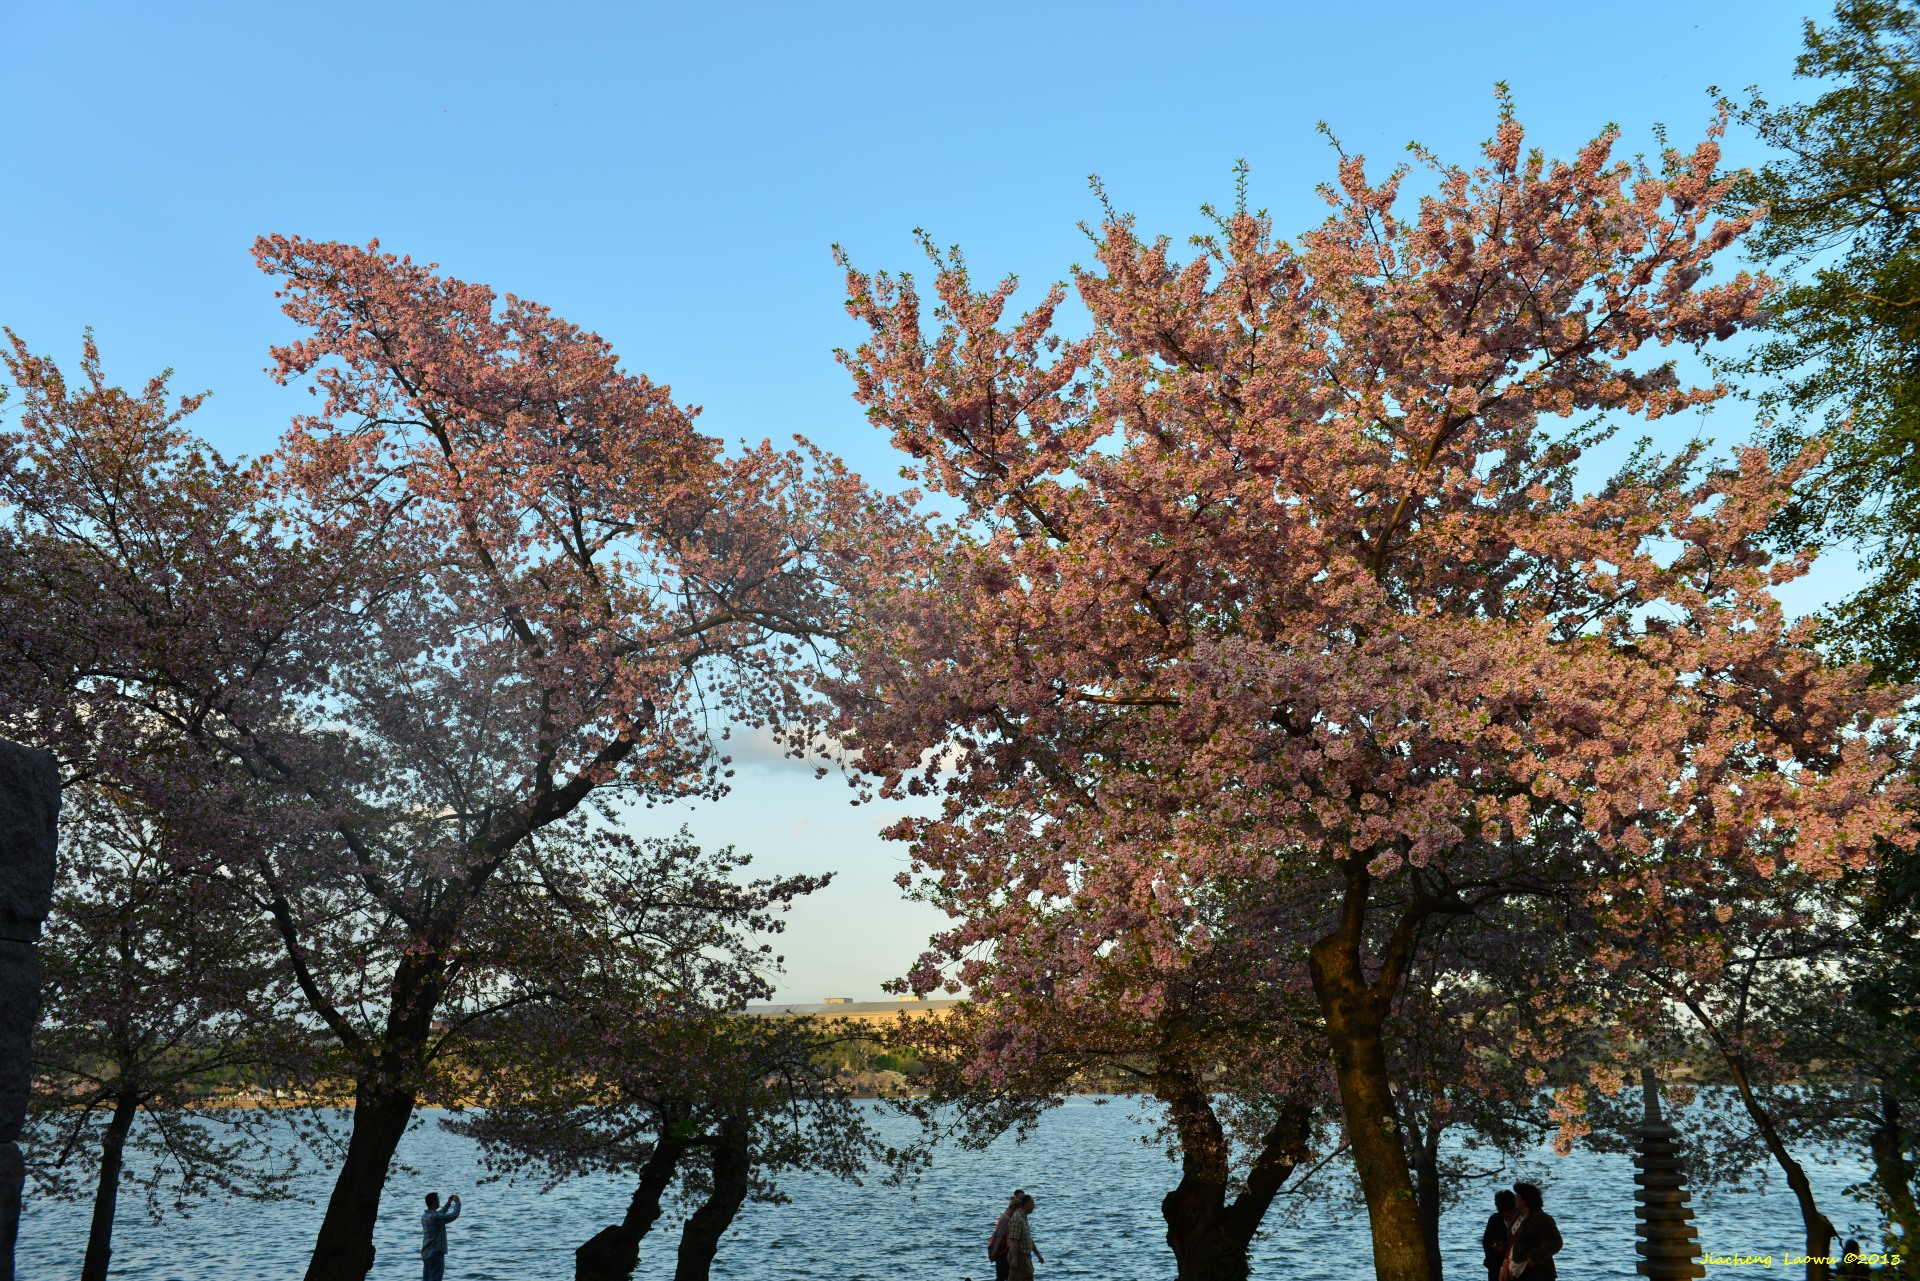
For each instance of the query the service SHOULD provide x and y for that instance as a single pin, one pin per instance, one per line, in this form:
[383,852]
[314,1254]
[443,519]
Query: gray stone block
[29,812]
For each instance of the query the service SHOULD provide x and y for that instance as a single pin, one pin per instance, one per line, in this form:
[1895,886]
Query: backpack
[997,1241]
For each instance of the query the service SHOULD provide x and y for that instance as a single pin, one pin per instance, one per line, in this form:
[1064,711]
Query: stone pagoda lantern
[1668,1246]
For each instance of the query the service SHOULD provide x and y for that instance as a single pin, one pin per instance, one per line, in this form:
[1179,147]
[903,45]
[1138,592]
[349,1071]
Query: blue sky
[673,176]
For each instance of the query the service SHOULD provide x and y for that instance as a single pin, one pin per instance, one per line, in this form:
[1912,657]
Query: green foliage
[1888,989]
[1885,998]
[1843,357]
[1843,368]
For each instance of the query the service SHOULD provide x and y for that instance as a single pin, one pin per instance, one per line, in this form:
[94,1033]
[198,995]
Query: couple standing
[1011,1249]
[1521,1237]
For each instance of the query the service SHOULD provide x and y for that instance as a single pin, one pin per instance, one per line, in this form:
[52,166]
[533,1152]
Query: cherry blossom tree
[492,579]
[1282,572]
[158,978]
[94,477]
[1770,983]
[707,1108]
[628,1052]
[158,984]
[1217,1029]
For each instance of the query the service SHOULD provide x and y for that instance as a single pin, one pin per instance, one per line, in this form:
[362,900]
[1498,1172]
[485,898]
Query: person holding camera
[433,1235]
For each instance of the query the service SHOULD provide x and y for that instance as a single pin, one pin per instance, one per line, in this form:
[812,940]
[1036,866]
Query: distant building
[849,1007]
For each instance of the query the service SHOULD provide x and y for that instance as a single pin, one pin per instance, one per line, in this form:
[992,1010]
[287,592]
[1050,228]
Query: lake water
[1099,1217]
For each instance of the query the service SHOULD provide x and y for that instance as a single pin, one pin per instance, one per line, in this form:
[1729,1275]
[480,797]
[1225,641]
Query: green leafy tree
[1882,1026]
[1843,362]
[1843,356]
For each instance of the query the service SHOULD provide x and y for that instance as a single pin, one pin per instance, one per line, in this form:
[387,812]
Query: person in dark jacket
[1535,1238]
[1493,1241]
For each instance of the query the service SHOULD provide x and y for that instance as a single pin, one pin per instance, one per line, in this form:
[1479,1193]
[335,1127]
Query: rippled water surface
[1099,1188]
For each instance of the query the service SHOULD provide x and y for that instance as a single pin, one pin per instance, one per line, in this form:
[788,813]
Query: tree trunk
[106,1195]
[1196,1208]
[1355,1014]
[1211,1239]
[1894,1174]
[1426,1166]
[344,1249]
[732,1171]
[383,1102]
[614,1251]
[1285,1146]
[1819,1229]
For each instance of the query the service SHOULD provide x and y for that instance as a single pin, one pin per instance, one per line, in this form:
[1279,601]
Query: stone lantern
[1668,1246]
